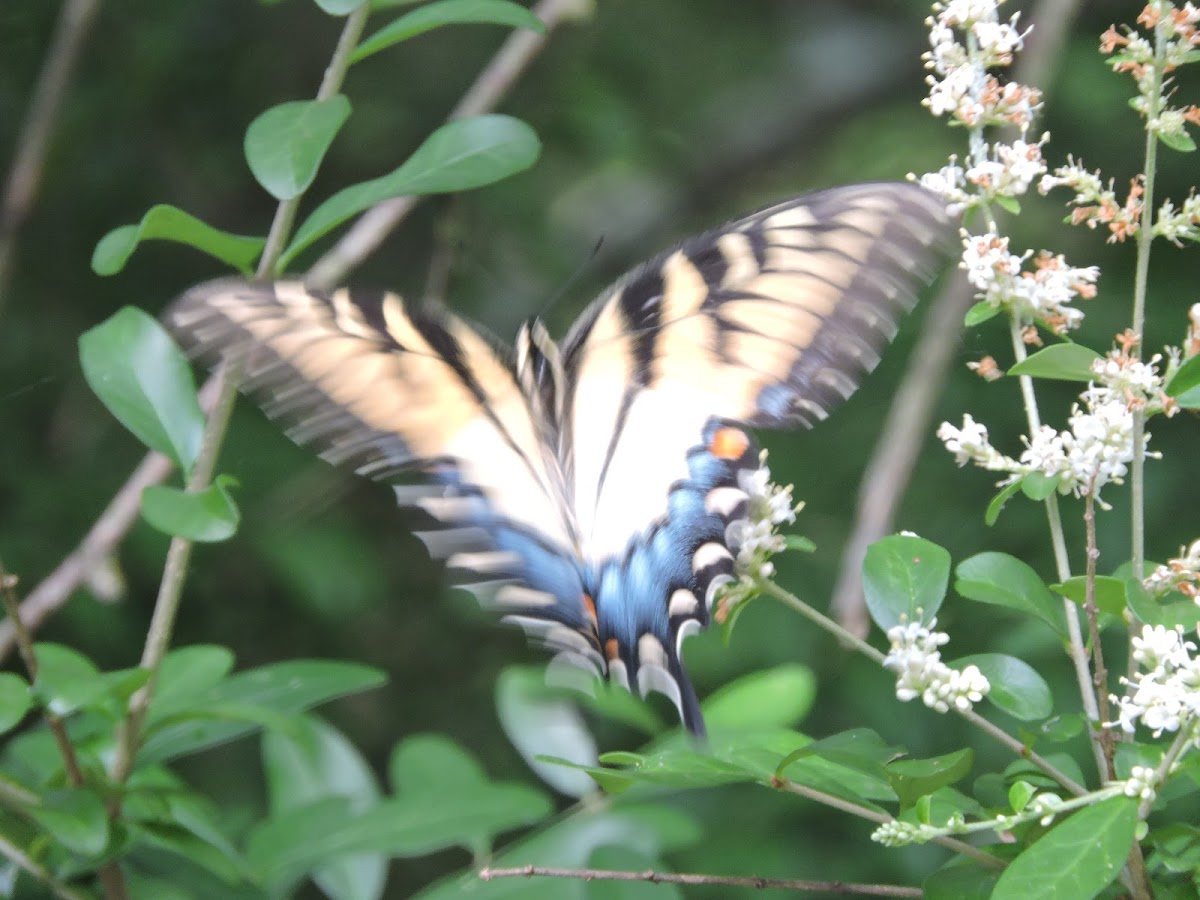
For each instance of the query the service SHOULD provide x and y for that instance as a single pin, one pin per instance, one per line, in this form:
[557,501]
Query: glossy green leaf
[317,762]
[179,841]
[15,699]
[287,688]
[1017,688]
[858,748]
[143,378]
[1077,858]
[962,879]
[284,849]
[459,156]
[340,7]
[1004,580]
[980,313]
[1109,592]
[1184,385]
[206,516]
[773,698]
[421,762]
[904,579]
[68,682]
[997,504]
[1179,141]
[1038,486]
[187,673]
[448,12]
[1065,362]
[75,818]
[1169,611]
[540,722]
[284,146]
[913,778]
[166,223]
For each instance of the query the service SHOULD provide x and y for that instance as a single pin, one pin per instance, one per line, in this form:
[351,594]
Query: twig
[518,50]
[827,887]
[8,593]
[1099,670]
[22,860]
[100,542]
[887,474]
[20,190]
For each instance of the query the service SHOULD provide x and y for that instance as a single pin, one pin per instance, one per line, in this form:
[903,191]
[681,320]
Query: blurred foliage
[657,119]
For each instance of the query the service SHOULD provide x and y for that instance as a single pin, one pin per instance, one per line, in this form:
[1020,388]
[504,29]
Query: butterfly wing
[391,393]
[770,321]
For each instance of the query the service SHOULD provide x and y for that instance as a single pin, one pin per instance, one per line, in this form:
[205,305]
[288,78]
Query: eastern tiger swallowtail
[588,487]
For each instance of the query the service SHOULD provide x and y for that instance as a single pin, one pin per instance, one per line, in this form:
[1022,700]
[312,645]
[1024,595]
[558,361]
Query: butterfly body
[588,489]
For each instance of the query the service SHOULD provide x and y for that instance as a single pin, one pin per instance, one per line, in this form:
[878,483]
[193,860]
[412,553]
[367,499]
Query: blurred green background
[658,119]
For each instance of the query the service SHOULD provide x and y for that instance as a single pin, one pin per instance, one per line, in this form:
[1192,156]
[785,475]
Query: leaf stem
[331,83]
[22,860]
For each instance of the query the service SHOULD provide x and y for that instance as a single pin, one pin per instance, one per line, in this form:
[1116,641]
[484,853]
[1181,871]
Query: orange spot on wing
[589,606]
[728,443]
[612,648]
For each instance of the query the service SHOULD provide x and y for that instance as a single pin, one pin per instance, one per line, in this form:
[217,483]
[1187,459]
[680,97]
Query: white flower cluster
[1046,805]
[1165,695]
[1098,445]
[1042,294]
[1142,783]
[898,834]
[915,659]
[756,537]
[1180,574]
[967,39]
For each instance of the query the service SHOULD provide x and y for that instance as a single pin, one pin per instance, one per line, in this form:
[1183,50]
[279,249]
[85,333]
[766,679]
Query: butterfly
[587,488]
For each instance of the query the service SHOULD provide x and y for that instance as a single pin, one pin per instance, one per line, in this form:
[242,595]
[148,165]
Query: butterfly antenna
[571,281]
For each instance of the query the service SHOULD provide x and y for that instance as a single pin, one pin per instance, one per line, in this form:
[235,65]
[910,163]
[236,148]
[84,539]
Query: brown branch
[827,887]
[20,190]
[890,468]
[514,55]
[98,545]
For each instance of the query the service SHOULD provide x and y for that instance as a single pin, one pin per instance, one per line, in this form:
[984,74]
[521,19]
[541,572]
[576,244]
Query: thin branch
[8,593]
[493,83]
[22,860]
[827,887]
[20,190]
[1099,670]
[99,544]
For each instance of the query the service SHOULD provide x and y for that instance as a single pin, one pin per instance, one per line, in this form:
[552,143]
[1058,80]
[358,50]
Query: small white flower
[1141,783]
[1046,805]
[897,834]
[920,672]
[1165,695]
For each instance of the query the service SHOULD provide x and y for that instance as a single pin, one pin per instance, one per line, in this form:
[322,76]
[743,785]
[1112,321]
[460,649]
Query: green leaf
[1169,611]
[448,12]
[15,700]
[314,763]
[904,579]
[188,672]
[1109,592]
[1178,140]
[68,681]
[858,748]
[1076,859]
[166,223]
[1019,795]
[175,839]
[1017,688]
[284,146]
[540,722]
[1009,205]
[463,154]
[287,687]
[143,379]
[75,818]
[340,7]
[999,501]
[980,313]
[772,698]
[914,778]
[961,879]
[207,516]
[1004,580]
[1066,362]
[1038,486]
[1184,385]
[283,850]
